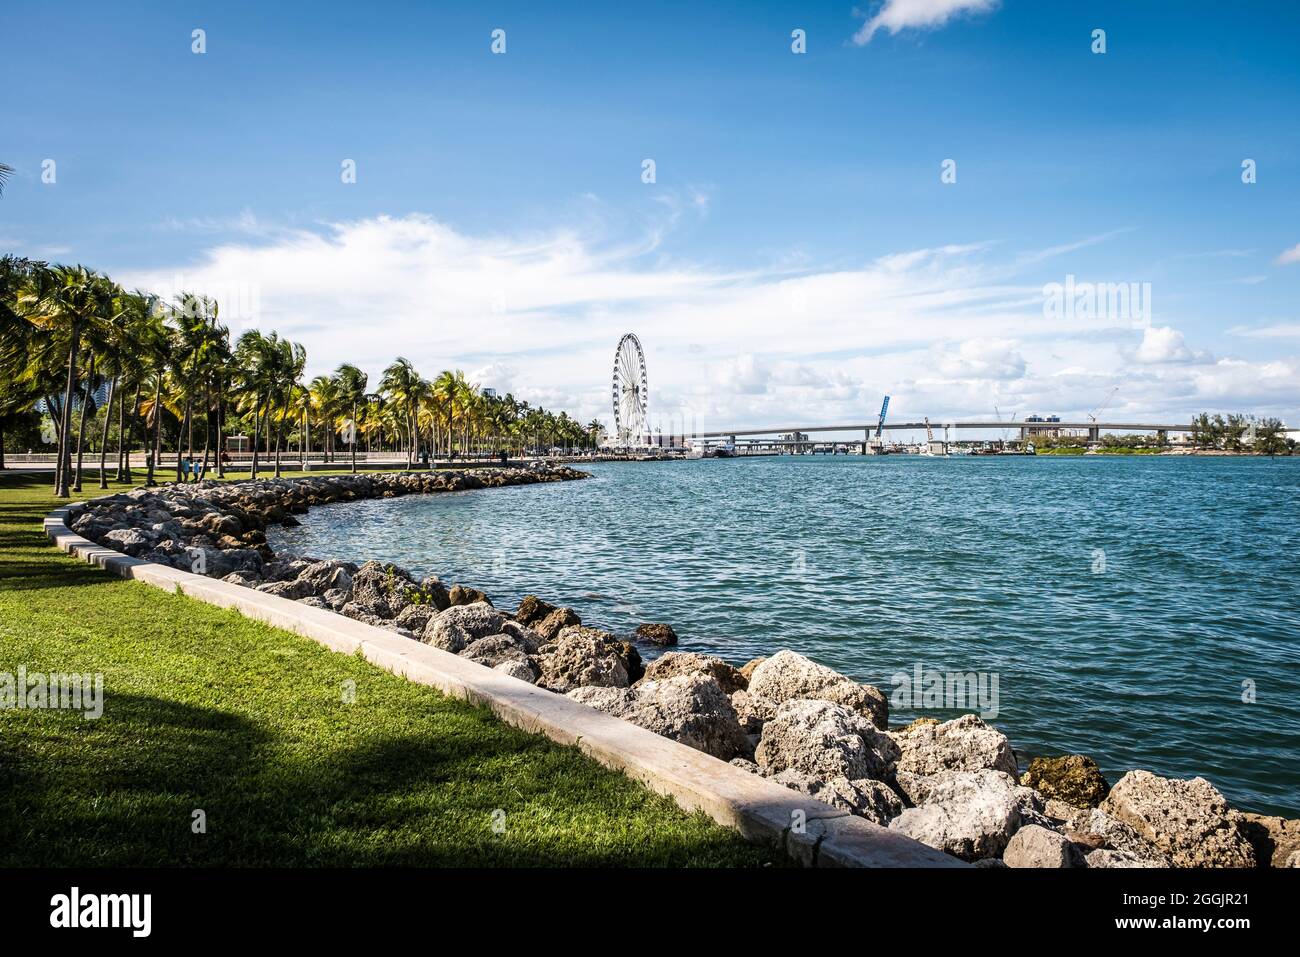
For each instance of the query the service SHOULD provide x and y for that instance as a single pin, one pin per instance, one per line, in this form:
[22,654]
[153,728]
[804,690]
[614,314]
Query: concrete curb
[761,810]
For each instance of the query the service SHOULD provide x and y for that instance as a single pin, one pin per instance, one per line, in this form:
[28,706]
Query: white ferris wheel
[629,392]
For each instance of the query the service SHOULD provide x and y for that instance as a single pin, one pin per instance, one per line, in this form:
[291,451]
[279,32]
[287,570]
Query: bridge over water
[1094,429]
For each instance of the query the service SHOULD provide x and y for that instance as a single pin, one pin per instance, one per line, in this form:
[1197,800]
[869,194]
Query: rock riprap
[787,675]
[690,708]
[954,785]
[1188,820]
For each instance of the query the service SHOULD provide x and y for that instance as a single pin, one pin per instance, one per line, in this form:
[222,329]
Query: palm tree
[153,343]
[5,173]
[290,359]
[131,365]
[69,303]
[324,391]
[402,385]
[25,366]
[254,375]
[352,393]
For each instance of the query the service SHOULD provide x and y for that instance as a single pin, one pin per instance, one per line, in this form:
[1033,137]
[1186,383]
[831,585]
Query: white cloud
[1284,330]
[1289,256]
[897,15]
[1162,344]
[982,359]
[946,330]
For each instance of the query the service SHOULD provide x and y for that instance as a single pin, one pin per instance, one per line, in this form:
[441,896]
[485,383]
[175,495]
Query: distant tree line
[173,380]
[1241,433]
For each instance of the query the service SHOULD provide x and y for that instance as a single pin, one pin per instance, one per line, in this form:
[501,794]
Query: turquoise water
[970,564]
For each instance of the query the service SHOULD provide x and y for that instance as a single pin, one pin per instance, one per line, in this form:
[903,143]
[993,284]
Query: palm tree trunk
[279,440]
[180,437]
[103,438]
[257,431]
[221,428]
[353,443]
[156,453]
[207,422]
[124,472]
[81,420]
[65,447]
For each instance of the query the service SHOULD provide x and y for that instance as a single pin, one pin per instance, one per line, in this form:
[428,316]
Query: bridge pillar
[1094,434]
[1162,437]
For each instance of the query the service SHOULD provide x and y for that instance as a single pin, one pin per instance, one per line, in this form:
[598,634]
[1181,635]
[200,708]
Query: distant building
[489,393]
[1041,425]
[100,397]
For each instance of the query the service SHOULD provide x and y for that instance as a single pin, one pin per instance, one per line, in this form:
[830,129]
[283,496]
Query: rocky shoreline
[955,785]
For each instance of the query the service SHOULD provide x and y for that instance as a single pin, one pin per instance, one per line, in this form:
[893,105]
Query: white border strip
[759,809]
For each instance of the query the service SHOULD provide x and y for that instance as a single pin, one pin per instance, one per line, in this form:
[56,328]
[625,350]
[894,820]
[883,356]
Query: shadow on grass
[123,791]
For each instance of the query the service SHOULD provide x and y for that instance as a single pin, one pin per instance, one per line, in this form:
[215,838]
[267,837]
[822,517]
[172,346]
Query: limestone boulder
[1036,846]
[522,670]
[356,612]
[453,629]
[969,814]
[462,595]
[787,676]
[689,662]
[1188,820]
[496,650]
[822,740]
[382,590]
[294,589]
[434,592]
[1092,829]
[581,657]
[873,800]
[550,625]
[1072,778]
[415,618]
[323,576]
[963,744]
[532,609]
[689,708]
[753,711]
[132,541]
[1275,839]
[657,634]
[1104,857]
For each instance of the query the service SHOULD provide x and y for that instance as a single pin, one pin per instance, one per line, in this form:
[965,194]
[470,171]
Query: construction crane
[1104,402]
[998,412]
[875,445]
[930,443]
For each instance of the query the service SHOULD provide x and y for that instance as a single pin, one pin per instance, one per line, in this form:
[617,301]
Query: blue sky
[797,254]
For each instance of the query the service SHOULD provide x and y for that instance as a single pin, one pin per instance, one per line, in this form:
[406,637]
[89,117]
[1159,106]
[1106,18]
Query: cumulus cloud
[1162,344]
[982,359]
[897,15]
[539,314]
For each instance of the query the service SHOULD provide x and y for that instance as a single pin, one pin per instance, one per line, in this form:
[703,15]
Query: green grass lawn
[207,710]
